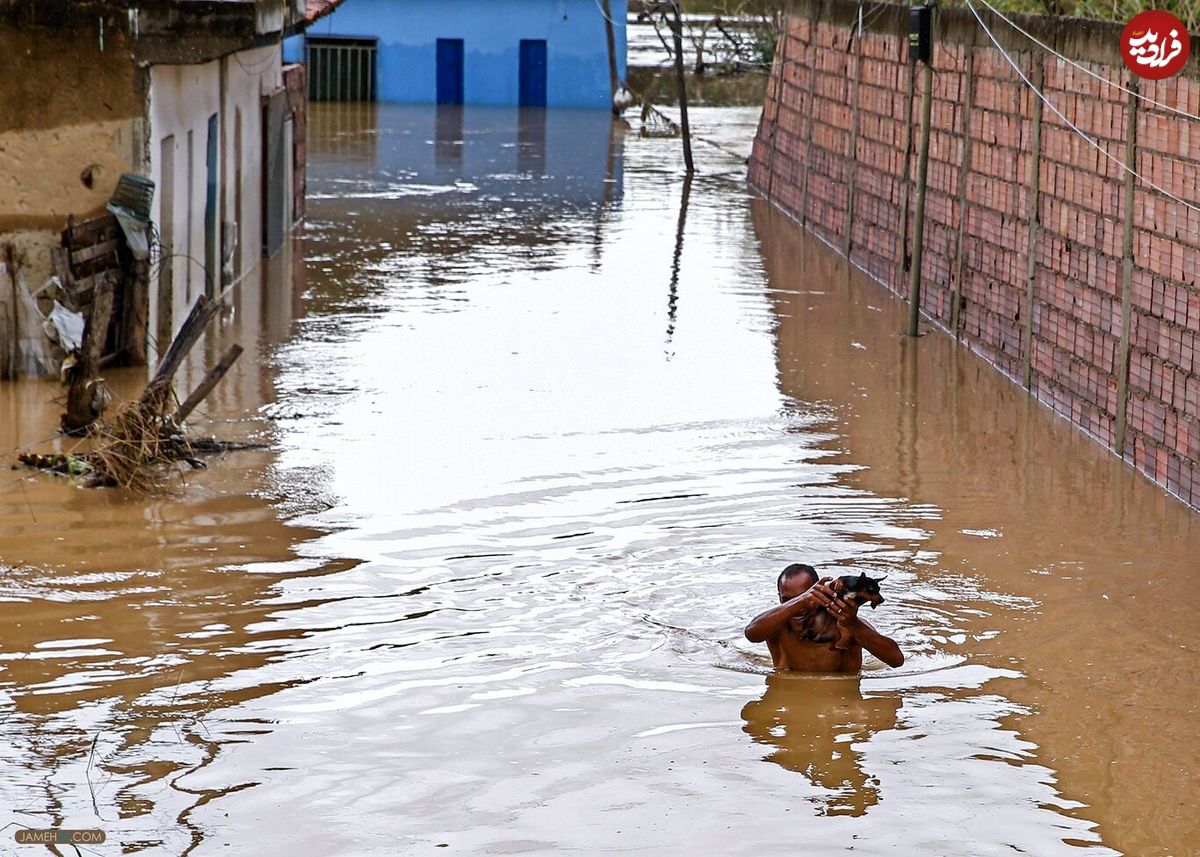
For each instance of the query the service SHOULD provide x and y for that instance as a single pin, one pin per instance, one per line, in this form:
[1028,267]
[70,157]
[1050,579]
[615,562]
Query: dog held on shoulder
[816,626]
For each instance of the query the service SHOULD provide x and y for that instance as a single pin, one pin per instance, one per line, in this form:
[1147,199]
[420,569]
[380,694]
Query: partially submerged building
[192,95]
[537,53]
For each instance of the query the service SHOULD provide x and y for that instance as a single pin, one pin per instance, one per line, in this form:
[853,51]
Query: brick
[1078,266]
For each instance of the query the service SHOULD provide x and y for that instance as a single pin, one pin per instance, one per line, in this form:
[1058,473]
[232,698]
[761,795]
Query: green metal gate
[341,69]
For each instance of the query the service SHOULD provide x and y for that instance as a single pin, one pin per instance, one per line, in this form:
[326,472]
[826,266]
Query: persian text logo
[1154,45]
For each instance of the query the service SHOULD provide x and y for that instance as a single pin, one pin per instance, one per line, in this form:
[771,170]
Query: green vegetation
[1187,11]
[729,36]
[726,36]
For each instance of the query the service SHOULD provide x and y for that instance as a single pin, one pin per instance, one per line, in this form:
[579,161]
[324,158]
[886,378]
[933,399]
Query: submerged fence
[1075,277]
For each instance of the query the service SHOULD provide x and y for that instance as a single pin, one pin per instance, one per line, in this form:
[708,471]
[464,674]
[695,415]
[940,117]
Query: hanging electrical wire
[604,14]
[1084,68]
[257,67]
[1091,142]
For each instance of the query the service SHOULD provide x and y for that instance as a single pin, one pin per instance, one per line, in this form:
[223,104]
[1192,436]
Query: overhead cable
[1089,140]
[1084,68]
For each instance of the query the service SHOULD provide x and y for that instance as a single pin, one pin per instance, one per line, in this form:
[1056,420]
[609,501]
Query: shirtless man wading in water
[801,593]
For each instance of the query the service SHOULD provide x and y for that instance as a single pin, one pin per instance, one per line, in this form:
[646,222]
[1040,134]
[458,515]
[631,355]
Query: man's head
[797,578]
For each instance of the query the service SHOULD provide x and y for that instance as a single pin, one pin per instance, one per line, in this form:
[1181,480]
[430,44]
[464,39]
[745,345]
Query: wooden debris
[107,469]
[80,413]
[95,251]
[91,255]
[129,448]
[68,465]
[135,320]
[210,380]
[189,334]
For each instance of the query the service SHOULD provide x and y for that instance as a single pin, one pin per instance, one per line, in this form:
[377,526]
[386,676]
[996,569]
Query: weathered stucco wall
[69,124]
[92,93]
[67,114]
[1031,276]
[182,100]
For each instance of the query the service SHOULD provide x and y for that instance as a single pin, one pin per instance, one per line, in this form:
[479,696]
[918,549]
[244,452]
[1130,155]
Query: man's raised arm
[770,622]
[884,648]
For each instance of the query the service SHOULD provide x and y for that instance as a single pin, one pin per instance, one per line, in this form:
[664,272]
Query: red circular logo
[1154,45]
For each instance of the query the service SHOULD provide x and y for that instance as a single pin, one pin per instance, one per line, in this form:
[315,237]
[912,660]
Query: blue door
[212,261]
[533,73]
[449,71]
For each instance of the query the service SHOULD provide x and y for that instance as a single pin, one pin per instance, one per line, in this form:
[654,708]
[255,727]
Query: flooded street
[544,425]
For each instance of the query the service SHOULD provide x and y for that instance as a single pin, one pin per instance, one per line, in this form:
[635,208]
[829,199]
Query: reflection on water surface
[540,446]
[813,724]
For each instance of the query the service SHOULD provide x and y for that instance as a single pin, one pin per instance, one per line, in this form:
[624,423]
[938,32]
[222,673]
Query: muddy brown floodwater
[540,443]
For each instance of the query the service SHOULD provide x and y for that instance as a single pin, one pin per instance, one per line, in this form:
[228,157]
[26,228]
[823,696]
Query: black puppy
[820,626]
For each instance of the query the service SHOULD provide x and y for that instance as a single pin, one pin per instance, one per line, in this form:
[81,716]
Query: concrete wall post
[772,127]
[1122,367]
[810,62]
[902,263]
[914,280]
[847,239]
[963,200]
[1032,214]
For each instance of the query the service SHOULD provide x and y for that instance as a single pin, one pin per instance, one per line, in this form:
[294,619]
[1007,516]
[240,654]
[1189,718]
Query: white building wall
[182,98]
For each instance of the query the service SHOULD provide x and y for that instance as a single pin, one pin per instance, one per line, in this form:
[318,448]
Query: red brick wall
[831,89]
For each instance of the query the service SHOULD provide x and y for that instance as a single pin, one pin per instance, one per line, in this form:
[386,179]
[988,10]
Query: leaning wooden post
[191,331]
[1122,367]
[8,337]
[914,281]
[1035,159]
[9,328]
[80,413]
[138,309]
[210,380]
[677,31]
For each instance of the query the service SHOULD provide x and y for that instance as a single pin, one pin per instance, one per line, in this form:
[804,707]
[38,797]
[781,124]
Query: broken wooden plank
[102,266]
[137,313]
[90,231]
[96,251]
[111,359]
[190,332]
[99,236]
[79,412]
[58,263]
[82,287]
[211,380]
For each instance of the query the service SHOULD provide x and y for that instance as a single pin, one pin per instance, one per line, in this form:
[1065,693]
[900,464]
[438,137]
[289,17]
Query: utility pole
[920,49]
[610,40]
[677,29]
[671,13]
